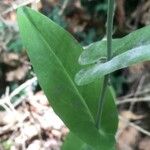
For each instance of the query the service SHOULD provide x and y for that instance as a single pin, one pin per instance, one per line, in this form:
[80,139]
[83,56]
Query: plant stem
[110,14]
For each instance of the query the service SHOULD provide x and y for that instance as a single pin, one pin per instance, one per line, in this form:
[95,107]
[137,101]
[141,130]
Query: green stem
[110,14]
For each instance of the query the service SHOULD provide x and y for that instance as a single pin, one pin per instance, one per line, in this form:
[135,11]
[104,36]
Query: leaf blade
[123,60]
[74,143]
[43,60]
[52,55]
[94,52]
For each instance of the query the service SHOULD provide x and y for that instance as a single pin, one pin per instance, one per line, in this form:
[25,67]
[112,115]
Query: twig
[135,100]
[23,86]
[134,126]
[142,79]
[6,101]
[63,7]
[17,5]
[145,91]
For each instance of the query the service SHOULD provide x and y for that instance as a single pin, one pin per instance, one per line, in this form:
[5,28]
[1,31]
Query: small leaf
[98,50]
[123,60]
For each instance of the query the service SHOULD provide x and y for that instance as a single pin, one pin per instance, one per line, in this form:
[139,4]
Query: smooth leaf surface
[92,95]
[72,142]
[98,51]
[109,114]
[123,60]
[54,53]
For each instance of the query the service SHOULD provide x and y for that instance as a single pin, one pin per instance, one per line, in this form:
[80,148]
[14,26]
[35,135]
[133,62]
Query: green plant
[54,55]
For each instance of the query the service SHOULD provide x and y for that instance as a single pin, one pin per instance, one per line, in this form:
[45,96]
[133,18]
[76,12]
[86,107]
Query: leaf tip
[20,10]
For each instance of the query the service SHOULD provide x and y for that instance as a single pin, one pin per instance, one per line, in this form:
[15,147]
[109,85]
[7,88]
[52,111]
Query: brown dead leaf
[131,116]
[18,74]
[128,136]
[11,59]
[145,144]
[128,139]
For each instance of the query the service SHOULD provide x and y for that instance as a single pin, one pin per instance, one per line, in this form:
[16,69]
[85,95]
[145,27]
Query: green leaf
[123,60]
[109,114]
[91,94]
[72,142]
[54,53]
[98,50]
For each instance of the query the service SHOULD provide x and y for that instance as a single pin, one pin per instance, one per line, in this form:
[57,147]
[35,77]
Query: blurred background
[27,121]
